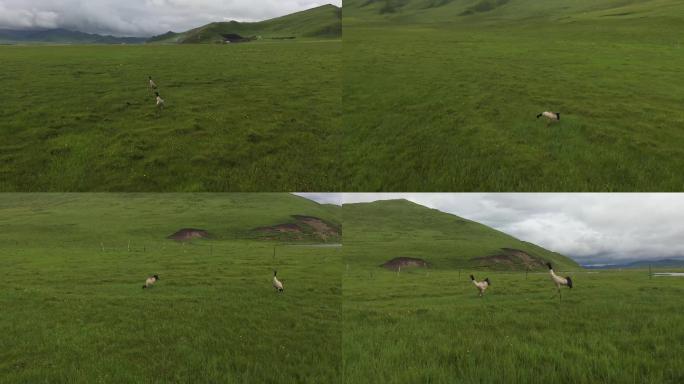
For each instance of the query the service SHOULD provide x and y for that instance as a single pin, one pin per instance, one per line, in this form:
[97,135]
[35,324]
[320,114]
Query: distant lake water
[679,274]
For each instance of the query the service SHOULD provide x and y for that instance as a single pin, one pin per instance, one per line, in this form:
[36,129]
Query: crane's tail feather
[539,115]
[569,281]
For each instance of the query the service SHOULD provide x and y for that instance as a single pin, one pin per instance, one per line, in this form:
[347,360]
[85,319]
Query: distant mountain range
[62,36]
[320,22]
[662,263]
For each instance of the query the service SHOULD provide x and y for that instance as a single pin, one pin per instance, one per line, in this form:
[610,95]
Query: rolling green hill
[321,22]
[73,308]
[443,95]
[71,217]
[377,232]
[458,11]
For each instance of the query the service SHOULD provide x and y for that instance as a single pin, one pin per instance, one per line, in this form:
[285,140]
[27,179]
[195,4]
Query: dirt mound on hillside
[304,227]
[321,227]
[510,258]
[189,234]
[405,262]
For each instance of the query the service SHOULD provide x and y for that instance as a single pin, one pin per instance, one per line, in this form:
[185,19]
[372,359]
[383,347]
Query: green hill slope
[113,218]
[500,10]
[320,22]
[377,232]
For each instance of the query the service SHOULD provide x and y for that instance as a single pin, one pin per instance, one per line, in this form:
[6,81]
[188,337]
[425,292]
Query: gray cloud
[587,227]
[141,17]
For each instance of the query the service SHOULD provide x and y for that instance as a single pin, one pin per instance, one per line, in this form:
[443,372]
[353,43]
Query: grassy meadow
[443,95]
[263,116]
[73,309]
[428,325]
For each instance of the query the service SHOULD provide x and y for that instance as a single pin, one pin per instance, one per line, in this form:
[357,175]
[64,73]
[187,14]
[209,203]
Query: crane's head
[156,277]
[549,265]
[274,272]
[558,116]
[488,282]
[472,277]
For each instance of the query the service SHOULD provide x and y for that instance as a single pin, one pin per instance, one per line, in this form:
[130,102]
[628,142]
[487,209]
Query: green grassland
[429,325]
[263,116]
[613,327]
[73,309]
[442,95]
[320,22]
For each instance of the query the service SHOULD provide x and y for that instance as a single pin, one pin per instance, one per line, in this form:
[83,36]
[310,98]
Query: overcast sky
[141,17]
[590,228]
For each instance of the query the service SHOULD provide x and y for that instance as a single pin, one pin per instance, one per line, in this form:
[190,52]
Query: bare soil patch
[510,258]
[304,228]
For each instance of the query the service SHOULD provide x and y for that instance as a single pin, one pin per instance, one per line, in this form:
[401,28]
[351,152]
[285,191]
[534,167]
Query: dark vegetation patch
[484,6]
[405,262]
[510,258]
[235,38]
[186,234]
[308,228]
[392,6]
[437,3]
[618,14]
[387,6]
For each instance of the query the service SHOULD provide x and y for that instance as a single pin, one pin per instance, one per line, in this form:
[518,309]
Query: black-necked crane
[150,281]
[277,284]
[559,281]
[481,285]
[160,101]
[153,85]
[551,117]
